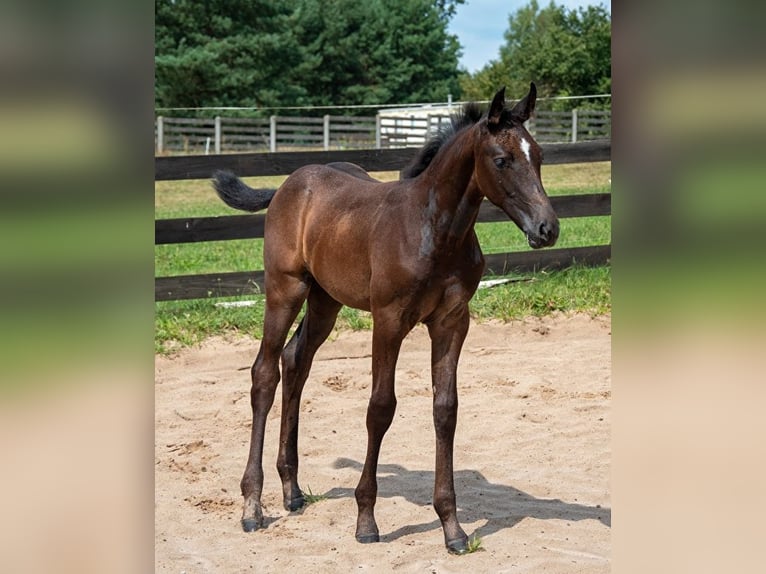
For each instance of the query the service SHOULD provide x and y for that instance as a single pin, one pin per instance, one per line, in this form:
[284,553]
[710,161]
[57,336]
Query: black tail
[237,194]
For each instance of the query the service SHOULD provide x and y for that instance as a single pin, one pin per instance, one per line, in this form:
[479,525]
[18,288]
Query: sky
[480,25]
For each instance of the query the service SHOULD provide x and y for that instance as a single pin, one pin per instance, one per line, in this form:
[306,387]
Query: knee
[264,373]
[265,380]
[445,404]
[383,402]
[445,412]
[382,409]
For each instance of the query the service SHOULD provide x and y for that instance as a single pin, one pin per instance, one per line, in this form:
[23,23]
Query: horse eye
[500,162]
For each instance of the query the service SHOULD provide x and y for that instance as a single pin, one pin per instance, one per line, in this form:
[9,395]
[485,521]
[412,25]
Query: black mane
[468,116]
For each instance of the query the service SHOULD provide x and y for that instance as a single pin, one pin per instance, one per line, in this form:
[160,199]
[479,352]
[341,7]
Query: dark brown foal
[407,252]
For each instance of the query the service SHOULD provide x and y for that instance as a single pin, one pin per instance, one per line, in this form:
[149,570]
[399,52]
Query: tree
[304,52]
[225,53]
[378,51]
[565,52]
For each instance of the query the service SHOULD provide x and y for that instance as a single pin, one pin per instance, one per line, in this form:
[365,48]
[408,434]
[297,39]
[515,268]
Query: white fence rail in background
[386,130]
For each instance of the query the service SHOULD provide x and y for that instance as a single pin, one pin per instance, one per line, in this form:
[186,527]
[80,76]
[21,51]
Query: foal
[407,252]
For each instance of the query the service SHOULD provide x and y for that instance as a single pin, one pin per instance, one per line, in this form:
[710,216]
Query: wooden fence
[386,130]
[195,229]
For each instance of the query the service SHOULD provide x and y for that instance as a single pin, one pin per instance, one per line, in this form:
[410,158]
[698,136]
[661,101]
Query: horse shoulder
[467,266]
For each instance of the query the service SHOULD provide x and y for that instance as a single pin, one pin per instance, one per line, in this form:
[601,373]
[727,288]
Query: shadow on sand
[478,499]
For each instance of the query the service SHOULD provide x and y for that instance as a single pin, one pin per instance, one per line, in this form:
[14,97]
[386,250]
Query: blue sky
[480,25]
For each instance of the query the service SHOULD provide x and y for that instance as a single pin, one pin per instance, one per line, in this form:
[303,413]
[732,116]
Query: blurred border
[689,211]
[76,250]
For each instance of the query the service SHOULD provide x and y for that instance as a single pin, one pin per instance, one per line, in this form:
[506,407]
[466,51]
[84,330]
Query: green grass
[311,498]
[184,323]
[576,289]
[474,544]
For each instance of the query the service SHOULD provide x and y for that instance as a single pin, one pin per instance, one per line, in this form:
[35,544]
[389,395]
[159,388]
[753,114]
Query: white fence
[386,130]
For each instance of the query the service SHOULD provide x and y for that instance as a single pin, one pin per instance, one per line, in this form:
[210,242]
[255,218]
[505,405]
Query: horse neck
[449,192]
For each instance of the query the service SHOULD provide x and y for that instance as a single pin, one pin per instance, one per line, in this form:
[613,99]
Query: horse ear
[524,108]
[496,108]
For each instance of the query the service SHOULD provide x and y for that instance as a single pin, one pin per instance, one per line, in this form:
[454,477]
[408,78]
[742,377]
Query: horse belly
[337,257]
[343,282]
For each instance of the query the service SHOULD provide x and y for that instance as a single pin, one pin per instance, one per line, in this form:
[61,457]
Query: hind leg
[296,364]
[283,302]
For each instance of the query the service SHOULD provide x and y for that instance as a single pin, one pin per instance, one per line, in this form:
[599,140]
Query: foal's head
[507,169]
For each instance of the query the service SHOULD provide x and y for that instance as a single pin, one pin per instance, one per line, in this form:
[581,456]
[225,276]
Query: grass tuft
[474,544]
[311,498]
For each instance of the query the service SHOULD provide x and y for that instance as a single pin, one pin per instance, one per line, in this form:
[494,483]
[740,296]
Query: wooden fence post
[377,131]
[326,121]
[273,134]
[160,133]
[574,125]
[218,134]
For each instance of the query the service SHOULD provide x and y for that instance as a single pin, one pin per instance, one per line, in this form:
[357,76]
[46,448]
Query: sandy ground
[532,456]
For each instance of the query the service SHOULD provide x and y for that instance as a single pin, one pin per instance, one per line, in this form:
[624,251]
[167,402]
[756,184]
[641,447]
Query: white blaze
[525,148]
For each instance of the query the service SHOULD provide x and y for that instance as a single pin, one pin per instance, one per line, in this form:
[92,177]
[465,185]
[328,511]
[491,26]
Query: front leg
[387,339]
[447,336]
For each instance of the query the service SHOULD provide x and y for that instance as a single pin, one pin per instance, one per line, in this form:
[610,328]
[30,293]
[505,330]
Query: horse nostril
[544,230]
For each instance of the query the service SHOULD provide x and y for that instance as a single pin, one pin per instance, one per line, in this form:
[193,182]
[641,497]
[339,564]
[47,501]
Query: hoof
[250,524]
[368,538]
[459,546]
[294,504]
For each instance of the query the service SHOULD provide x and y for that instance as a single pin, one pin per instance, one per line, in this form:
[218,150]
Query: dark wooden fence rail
[195,229]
